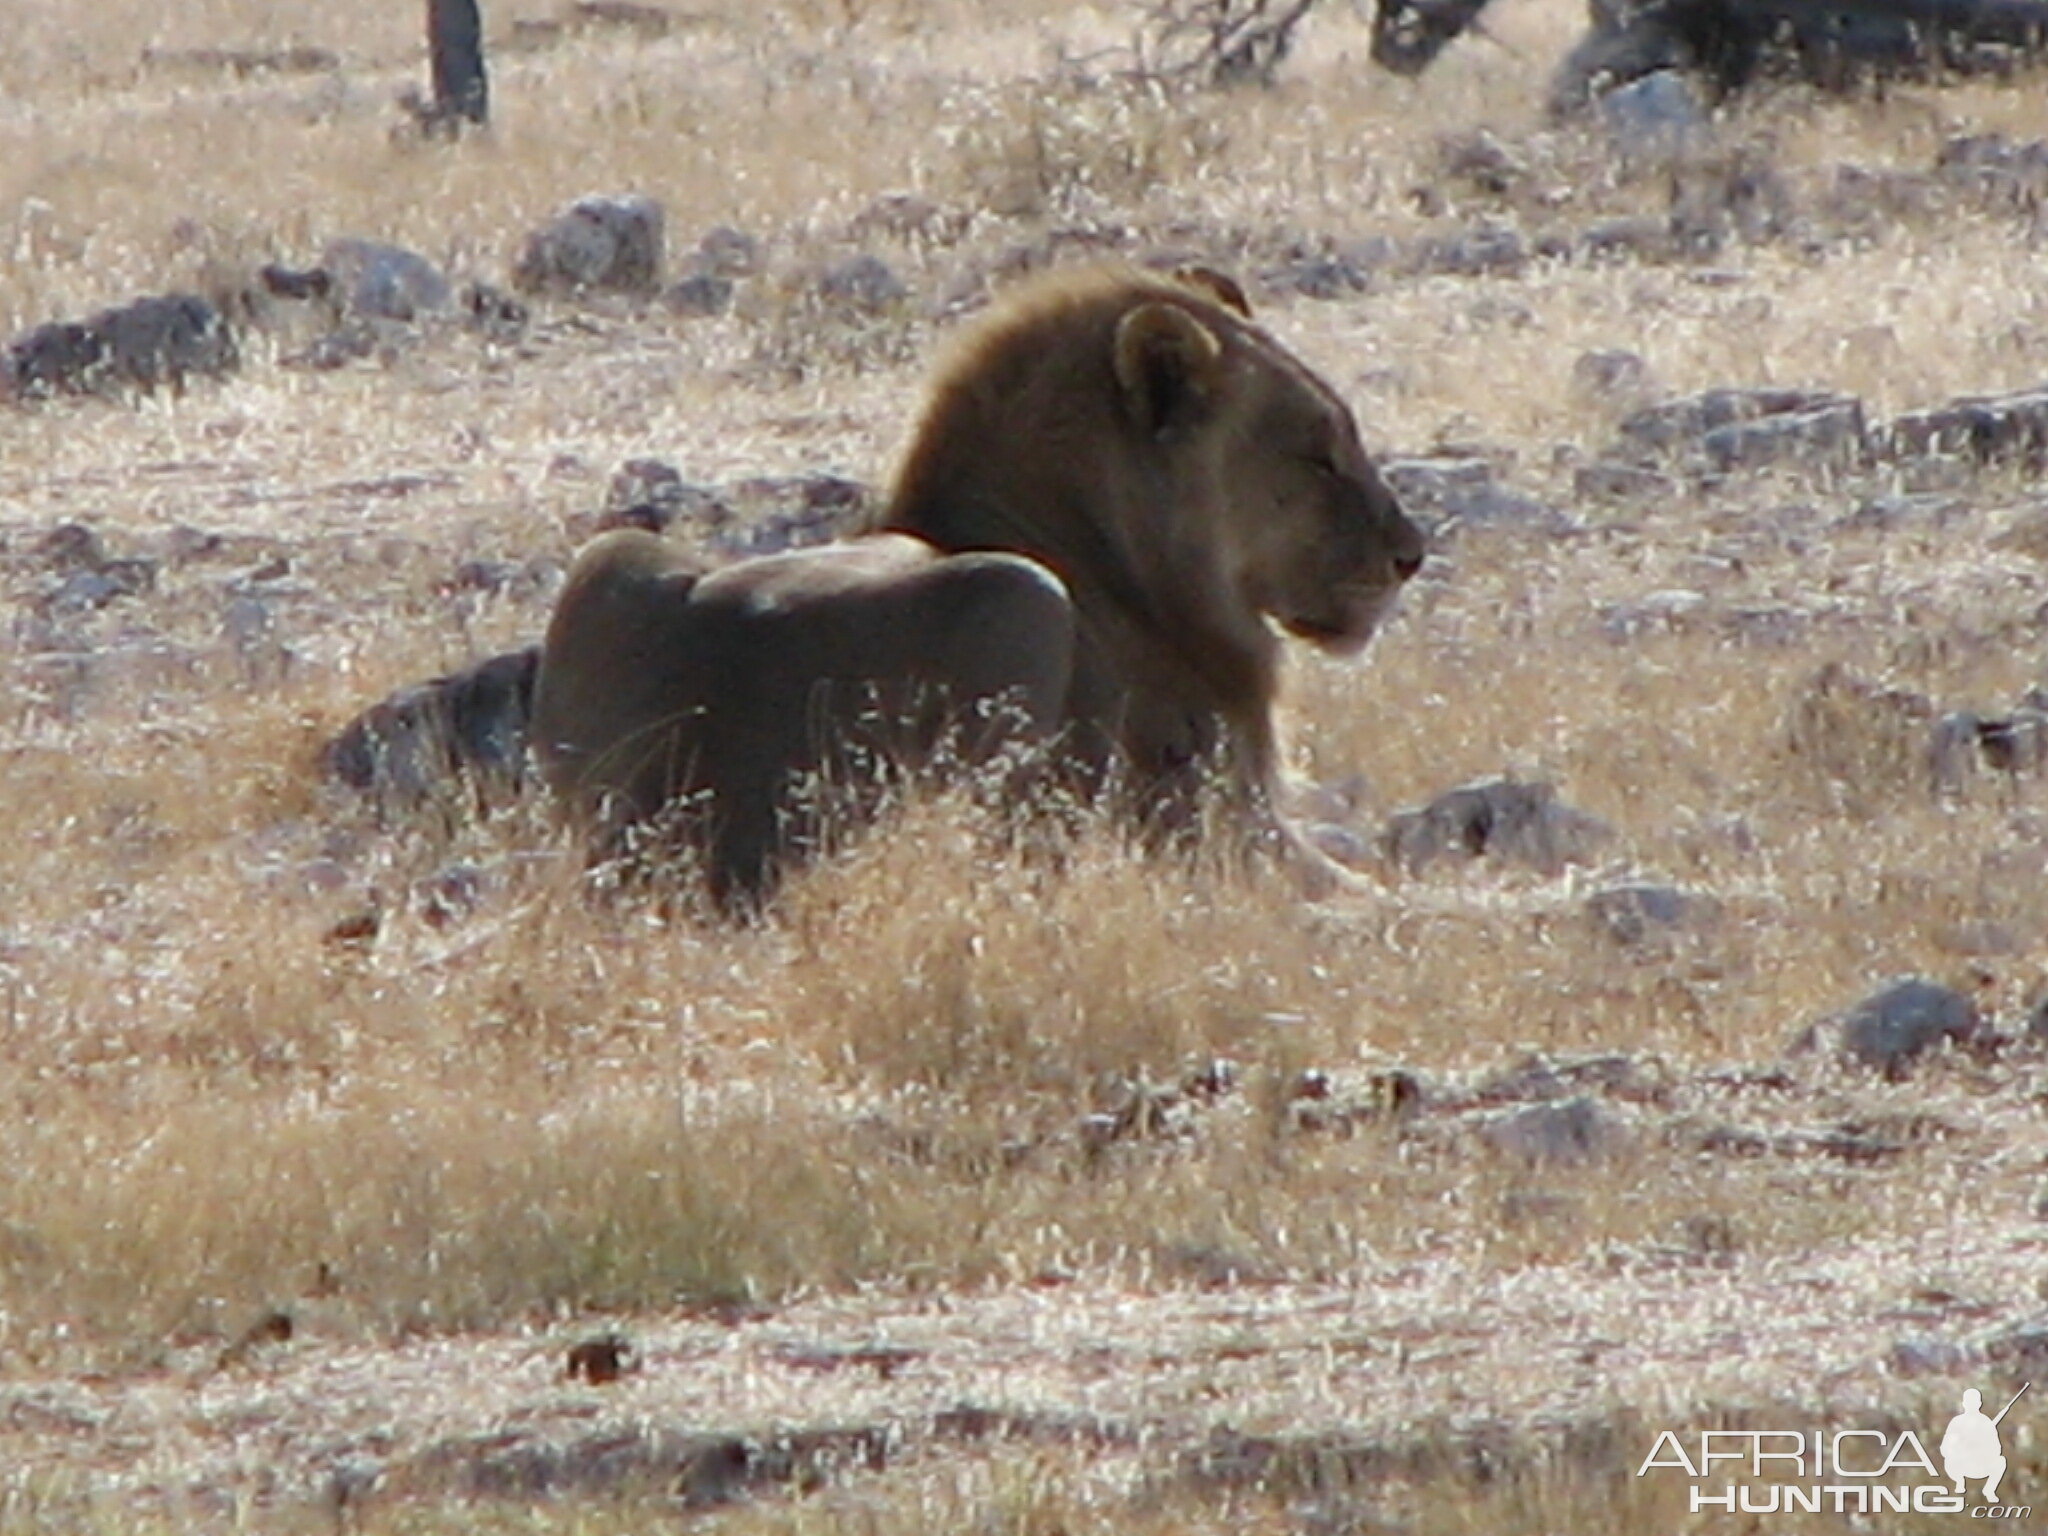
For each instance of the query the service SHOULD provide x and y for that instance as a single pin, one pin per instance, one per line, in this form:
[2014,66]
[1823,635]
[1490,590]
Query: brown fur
[1118,481]
[1188,479]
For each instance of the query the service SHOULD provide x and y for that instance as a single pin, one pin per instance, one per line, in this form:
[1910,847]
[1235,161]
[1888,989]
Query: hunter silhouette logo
[1845,1471]
[1970,1448]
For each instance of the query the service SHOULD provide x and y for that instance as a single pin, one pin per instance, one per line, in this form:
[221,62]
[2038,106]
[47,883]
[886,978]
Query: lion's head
[1191,480]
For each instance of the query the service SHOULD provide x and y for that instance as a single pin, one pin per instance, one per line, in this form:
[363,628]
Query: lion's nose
[1409,546]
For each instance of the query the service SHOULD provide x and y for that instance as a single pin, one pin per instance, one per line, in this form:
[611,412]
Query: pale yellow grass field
[552,1111]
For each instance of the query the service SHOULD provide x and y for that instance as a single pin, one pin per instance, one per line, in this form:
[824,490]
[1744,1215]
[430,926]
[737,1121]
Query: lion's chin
[1345,632]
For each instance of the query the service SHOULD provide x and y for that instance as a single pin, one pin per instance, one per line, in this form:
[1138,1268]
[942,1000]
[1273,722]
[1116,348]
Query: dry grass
[257,1051]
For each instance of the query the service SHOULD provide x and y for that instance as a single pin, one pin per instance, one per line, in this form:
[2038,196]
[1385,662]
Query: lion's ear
[1168,365]
[1220,286]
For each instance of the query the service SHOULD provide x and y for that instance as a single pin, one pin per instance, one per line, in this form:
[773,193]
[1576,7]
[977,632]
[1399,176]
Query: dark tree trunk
[1830,43]
[455,34]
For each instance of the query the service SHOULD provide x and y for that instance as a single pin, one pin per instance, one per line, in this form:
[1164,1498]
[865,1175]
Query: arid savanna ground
[924,1205]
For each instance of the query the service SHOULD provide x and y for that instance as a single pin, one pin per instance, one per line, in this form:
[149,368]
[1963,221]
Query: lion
[1119,488]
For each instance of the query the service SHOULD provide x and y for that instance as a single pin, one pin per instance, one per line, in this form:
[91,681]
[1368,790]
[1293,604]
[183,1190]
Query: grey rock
[1982,430]
[1460,491]
[1679,426]
[777,513]
[85,590]
[347,343]
[386,282]
[910,218]
[728,252]
[1962,743]
[597,244]
[652,494]
[1436,481]
[2015,743]
[865,283]
[640,482]
[1655,119]
[1830,437]
[1487,251]
[1576,1130]
[1925,511]
[1479,162]
[1540,1078]
[1662,611]
[462,737]
[1643,239]
[701,294]
[2037,1019]
[1996,169]
[1501,819]
[149,344]
[1613,479]
[1896,1026]
[1318,277]
[1637,914]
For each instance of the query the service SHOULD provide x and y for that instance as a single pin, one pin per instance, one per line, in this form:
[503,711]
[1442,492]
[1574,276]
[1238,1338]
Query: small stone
[1318,277]
[1666,610]
[1999,170]
[1894,1027]
[908,217]
[1654,119]
[1980,430]
[1576,1130]
[1832,437]
[1480,162]
[1632,915]
[727,252]
[1488,251]
[1500,819]
[598,244]
[863,283]
[1612,479]
[459,736]
[2016,744]
[386,282]
[81,592]
[700,295]
[151,343]
[640,481]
